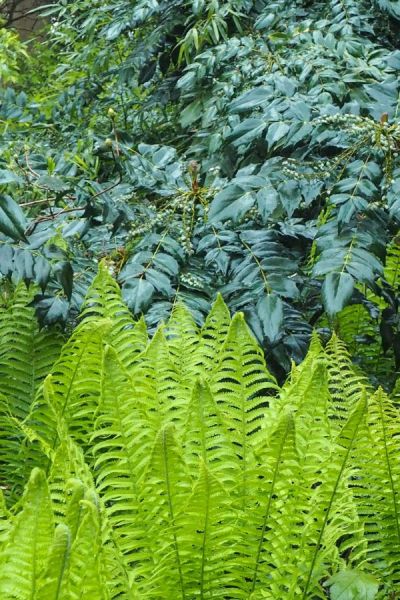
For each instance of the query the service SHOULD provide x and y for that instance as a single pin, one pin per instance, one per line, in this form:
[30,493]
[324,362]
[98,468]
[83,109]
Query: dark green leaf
[65,275]
[51,309]
[7,177]
[270,312]
[231,203]
[137,294]
[12,219]
[337,290]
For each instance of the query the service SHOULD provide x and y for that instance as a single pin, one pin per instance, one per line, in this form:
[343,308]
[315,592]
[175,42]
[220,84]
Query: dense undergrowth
[248,147]
[215,157]
[174,466]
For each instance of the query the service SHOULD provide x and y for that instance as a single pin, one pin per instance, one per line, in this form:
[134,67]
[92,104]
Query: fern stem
[203,553]
[171,511]
[266,514]
[392,486]
[329,508]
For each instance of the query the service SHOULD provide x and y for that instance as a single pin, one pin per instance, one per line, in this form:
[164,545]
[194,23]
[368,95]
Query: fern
[121,450]
[4,520]
[205,438]
[213,334]
[103,301]
[24,554]
[177,468]
[377,488]
[26,354]
[345,383]
[77,381]
[242,387]
[333,514]
[392,265]
[207,534]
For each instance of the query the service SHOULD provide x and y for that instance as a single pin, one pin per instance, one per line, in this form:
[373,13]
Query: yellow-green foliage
[176,468]
[12,52]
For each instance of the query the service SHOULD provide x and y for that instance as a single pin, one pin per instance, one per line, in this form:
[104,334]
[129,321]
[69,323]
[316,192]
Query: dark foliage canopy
[249,147]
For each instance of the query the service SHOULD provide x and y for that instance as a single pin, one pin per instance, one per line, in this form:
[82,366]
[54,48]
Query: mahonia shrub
[174,466]
[247,147]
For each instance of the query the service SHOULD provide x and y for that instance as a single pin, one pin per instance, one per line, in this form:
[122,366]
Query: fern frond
[333,500]
[181,333]
[167,481]
[69,478]
[213,334]
[345,383]
[242,388]
[12,471]
[309,401]
[392,265]
[377,488]
[295,389]
[77,382]
[26,354]
[206,534]
[271,490]
[159,384]
[52,583]
[206,439]
[86,577]
[5,523]
[24,555]
[104,301]
[121,449]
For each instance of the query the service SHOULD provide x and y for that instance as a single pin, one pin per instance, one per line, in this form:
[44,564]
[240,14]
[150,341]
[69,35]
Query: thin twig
[29,166]
[107,189]
[35,202]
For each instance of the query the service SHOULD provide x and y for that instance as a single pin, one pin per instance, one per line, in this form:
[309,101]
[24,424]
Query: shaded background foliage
[246,147]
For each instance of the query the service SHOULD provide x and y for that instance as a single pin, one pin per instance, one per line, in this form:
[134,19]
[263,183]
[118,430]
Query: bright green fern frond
[309,530]
[86,577]
[295,389]
[206,439]
[12,469]
[263,524]
[26,354]
[5,523]
[333,514]
[24,555]
[121,448]
[206,535]
[52,584]
[167,482]
[21,448]
[213,334]
[377,488]
[76,383]
[309,400]
[182,335]
[392,265]
[242,388]
[159,384]
[345,384]
[104,301]
[69,478]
